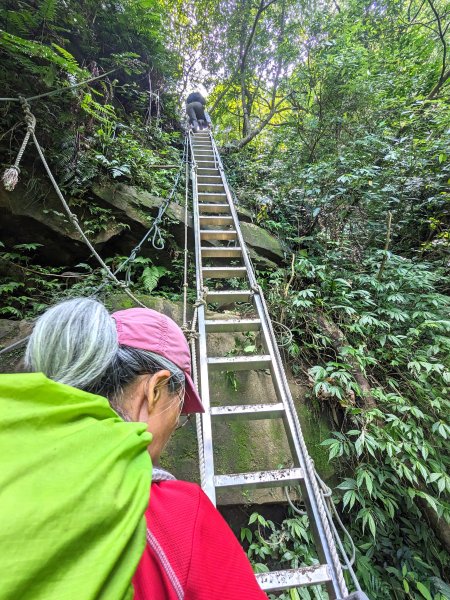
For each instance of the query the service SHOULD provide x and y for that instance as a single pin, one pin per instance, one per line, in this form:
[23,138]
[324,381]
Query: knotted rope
[11,175]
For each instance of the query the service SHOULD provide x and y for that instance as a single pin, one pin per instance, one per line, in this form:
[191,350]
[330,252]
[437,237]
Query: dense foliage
[124,126]
[352,173]
[334,117]
[118,126]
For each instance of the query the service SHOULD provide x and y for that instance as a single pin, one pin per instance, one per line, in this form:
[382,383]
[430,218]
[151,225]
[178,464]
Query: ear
[149,394]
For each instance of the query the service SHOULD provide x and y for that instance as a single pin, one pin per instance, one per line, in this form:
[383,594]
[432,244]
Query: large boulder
[124,212]
[262,242]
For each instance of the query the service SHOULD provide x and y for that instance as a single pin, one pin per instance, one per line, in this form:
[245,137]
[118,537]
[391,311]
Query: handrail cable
[60,90]
[31,124]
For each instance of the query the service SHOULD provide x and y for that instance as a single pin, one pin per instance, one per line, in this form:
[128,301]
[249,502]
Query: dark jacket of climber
[195,109]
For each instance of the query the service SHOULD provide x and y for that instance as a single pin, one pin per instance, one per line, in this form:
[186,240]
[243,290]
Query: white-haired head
[75,343]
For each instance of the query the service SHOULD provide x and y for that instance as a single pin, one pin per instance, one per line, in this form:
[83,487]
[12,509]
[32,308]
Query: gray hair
[75,343]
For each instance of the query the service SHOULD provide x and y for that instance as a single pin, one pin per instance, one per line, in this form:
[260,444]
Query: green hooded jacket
[74,485]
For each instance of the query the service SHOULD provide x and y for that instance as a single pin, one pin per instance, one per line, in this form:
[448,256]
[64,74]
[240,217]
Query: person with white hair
[103,393]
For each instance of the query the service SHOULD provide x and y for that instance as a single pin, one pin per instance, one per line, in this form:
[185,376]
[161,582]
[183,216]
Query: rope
[324,513]
[288,333]
[31,122]
[185,281]
[327,495]
[154,229]
[256,288]
[60,90]
[330,507]
[191,333]
[11,175]
[292,505]
[198,418]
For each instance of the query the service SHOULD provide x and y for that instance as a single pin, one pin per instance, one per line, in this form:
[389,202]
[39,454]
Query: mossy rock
[262,241]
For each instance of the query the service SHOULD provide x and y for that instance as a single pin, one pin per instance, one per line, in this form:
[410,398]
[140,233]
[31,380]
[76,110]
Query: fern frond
[150,277]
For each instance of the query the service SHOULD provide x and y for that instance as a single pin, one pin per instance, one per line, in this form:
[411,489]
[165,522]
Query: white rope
[308,462]
[292,505]
[74,220]
[60,90]
[31,122]
[11,175]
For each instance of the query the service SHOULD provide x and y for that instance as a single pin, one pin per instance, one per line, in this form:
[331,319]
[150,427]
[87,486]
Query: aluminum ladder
[218,236]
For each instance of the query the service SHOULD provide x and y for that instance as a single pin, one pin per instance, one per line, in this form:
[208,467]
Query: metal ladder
[216,224]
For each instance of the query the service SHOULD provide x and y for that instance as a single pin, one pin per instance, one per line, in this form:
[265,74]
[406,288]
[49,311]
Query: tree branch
[386,246]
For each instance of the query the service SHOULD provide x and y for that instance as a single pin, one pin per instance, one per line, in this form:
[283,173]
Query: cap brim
[192,401]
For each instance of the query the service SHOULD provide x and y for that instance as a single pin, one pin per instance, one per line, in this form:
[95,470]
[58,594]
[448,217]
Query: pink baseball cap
[150,330]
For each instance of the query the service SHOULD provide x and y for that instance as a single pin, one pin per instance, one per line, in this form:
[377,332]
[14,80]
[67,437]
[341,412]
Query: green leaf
[253,517]
[424,591]
[150,277]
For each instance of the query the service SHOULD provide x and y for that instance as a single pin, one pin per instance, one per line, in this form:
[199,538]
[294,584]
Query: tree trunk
[438,524]
[338,341]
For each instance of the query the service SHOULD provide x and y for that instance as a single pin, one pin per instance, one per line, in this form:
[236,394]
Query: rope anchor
[10,177]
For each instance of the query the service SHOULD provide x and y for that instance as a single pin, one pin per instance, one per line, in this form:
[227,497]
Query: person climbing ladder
[195,109]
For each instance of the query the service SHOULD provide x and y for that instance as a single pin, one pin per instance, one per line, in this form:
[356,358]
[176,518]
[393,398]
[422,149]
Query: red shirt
[191,553]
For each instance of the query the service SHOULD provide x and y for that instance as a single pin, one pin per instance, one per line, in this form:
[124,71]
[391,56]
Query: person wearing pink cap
[139,360]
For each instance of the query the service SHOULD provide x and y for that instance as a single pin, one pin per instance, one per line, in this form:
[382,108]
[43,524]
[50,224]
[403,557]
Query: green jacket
[74,485]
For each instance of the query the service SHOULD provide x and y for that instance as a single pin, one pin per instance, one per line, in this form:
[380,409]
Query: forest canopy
[333,118]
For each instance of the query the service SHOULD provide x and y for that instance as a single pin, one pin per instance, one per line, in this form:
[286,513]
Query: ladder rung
[205,197]
[259,479]
[220,252]
[214,208]
[292,578]
[211,187]
[207,170]
[223,272]
[217,234]
[224,325]
[208,178]
[248,411]
[216,221]
[239,363]
[229,296]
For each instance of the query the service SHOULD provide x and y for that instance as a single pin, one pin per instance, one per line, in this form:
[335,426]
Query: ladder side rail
[319,523]
[248,265]
[208,483]
[324,544]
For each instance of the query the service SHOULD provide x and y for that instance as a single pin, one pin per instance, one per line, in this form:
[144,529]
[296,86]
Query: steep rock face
[137,204]
[240,445]
[129,213]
